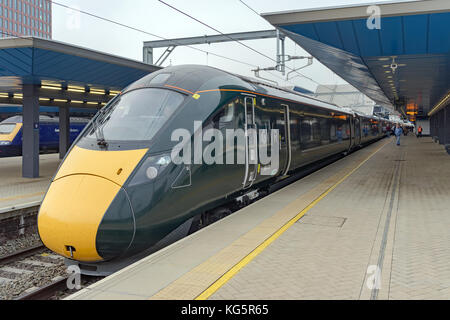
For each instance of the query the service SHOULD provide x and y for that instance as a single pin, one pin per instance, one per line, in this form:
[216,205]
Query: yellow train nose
[71,213]
[80,195]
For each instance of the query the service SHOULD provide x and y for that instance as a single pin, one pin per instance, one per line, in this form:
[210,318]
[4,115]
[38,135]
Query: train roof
[191,79]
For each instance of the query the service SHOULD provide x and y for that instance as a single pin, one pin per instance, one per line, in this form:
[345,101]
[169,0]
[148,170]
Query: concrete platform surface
[373,225]
[16,191]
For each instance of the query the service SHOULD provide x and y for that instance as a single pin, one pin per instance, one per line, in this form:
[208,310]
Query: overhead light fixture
[4,95]
[44,99]
[60,100]
[76,101]
[97,91]
[76,89]
[51,87]
[92,103]
[50,83]
[113,93]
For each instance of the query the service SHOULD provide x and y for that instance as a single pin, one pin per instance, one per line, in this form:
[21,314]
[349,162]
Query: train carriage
[11,134]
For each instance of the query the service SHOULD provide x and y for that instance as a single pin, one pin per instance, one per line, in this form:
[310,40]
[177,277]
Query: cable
[249,7]
[299,73]
[229,37]
[149,33]
[218,31]
[162,38]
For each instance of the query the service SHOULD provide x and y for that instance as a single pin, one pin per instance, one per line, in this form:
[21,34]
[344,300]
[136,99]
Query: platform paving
[393,213]
[15,190]
[373,225]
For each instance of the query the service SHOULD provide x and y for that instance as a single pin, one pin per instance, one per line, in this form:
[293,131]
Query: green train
[122,191]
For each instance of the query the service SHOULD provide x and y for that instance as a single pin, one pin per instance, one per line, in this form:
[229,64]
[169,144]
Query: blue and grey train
[11,131]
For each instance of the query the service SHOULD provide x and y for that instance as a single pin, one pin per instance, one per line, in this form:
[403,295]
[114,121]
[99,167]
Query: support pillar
[30,136]
[64,131]
[441,127]
[431,127]
[148,55]
[447,129]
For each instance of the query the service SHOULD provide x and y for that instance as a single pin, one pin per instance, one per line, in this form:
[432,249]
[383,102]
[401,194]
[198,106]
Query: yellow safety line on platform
[29,195]
[247,259]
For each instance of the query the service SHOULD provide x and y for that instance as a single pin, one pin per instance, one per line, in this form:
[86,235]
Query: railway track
[35,274]
[29,270]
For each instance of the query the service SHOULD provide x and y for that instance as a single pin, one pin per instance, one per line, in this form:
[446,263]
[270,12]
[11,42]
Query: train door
[251,142]
[357,131]
[351,132]
[287,138]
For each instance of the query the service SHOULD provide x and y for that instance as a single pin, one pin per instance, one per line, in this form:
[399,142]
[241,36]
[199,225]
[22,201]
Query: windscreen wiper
[98,130]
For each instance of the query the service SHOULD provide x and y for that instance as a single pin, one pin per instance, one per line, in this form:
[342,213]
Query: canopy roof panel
[415,35]
[31,60]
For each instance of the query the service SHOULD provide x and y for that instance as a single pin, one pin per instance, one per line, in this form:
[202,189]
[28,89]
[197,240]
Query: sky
[227,16]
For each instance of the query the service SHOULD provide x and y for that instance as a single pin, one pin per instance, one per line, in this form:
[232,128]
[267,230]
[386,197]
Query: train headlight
[150,169]
[5,143]
[152,173]
[164,161]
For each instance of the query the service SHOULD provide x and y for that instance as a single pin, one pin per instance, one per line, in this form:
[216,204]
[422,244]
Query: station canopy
[65,74]
[414,36]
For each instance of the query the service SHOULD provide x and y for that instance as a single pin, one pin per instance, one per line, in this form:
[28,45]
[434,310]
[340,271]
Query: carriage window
[227,113]
[310,133]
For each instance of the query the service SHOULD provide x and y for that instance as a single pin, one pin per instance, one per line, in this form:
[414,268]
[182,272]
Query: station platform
[17,192]
[373,225]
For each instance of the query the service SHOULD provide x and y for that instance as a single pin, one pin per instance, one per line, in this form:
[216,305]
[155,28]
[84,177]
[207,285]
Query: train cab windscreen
[135,116]
[7,128]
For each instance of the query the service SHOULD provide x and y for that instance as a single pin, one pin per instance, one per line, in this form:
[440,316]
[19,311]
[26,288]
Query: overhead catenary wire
[296,71]
[231,38]
[160,37]
[149,33]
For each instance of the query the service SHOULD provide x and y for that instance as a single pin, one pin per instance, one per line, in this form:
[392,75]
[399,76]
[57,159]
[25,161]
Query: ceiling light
[51,87]
[97,91]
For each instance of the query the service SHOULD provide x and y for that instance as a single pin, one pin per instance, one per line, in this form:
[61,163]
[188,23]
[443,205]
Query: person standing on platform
[398,133]
[419,132]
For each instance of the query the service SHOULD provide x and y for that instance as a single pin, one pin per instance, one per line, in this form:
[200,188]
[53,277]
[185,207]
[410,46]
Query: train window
[227,113]
[325,133]
[7,128]
[137,115]
[310,133]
